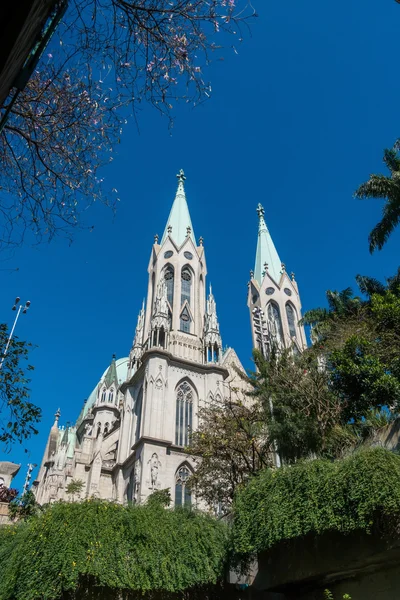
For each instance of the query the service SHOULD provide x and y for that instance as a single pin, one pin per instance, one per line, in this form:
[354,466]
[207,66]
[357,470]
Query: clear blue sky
[298,119]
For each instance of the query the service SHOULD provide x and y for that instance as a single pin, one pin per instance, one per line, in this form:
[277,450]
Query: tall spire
[179,224]
[111,375]
[267,258]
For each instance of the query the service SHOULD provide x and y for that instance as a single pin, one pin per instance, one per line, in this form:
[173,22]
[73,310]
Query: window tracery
[184,414]
[274,318]
[183,492]
[291,319]
[169,282]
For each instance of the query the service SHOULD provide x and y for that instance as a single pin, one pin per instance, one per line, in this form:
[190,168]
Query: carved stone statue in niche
[154,465]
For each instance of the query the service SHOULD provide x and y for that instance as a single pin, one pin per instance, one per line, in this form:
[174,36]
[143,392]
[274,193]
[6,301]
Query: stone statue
[154,466]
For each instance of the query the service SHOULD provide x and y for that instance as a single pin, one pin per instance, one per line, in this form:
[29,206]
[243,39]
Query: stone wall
[367,567]
[4,520]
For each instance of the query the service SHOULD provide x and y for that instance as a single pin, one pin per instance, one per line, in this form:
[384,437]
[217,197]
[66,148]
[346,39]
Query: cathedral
[130,437]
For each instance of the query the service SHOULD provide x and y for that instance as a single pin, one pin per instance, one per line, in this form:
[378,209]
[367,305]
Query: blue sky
[297,120]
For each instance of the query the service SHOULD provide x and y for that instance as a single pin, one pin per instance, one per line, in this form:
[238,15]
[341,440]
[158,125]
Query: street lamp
[18,307]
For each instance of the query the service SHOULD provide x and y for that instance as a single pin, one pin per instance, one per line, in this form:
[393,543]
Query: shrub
[315,497]
[102,545]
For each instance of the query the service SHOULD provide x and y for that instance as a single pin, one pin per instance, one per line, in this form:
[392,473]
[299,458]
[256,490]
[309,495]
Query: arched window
[291,319]
[138,414]
[169,281]
[274,318]
[184,414]
[183,492]
[111,396]
[185,320]
[103,395]
[186,282]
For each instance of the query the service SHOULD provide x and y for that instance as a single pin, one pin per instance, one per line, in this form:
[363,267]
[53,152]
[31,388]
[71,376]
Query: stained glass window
[183,492]
[184,414]
[275,321]
[169,280]
[186,281]
[185,321]
[291,319]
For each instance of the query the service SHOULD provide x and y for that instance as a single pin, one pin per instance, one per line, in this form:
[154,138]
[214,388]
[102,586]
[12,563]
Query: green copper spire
[111,375]
[267,257]
[179,224]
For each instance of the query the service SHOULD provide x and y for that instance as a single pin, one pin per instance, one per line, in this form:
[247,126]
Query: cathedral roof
[266,251]
[111,375]
[121,365]
[179,218]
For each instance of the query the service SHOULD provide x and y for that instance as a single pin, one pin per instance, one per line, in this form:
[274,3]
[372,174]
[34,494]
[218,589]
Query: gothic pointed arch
[291,316]
[275,321]
[169,277]
[186,284]
[183,491]
[185,397]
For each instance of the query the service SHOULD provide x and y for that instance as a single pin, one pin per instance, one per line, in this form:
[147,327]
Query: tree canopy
[106,58]
[18,416]
[384,187]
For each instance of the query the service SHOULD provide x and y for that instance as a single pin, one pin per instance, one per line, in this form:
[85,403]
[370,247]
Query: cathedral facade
[130,437]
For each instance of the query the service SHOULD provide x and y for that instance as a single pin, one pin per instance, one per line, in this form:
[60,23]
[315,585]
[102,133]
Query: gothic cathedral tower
[130,437]
[273,298]
[176,364]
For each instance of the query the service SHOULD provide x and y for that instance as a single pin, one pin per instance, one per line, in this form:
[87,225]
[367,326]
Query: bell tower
[273,298]
[176,363]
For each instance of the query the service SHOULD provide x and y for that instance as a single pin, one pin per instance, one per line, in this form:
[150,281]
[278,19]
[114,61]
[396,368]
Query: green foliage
[313,497]
[304,416]
[23,507]
[230,444]
[386,188]
[75,487]
[133,549]
[329,596]
[18,416]
[160,498]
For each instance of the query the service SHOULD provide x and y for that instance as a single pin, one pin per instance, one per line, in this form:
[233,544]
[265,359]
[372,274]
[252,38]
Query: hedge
[143,549]
[317,496]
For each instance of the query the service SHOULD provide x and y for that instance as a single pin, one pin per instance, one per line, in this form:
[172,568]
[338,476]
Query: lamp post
[18,307]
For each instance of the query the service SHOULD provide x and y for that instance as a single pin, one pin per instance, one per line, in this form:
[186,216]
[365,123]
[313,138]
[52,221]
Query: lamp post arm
[10,337]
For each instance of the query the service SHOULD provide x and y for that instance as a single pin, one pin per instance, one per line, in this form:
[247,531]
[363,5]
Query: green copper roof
[111,375]
[179,218]
[122,372]
[266,251]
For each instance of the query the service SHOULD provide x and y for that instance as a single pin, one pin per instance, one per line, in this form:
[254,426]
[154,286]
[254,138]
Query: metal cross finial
[181,176]
[260,211]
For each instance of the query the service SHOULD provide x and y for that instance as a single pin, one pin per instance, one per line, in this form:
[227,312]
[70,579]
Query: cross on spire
[181,176]
[260,211]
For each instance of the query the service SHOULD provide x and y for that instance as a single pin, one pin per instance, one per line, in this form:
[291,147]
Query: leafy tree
[386,188]
[23,507]
[101,549]
[105,60]
[230,444]
[74,488]
[18,416]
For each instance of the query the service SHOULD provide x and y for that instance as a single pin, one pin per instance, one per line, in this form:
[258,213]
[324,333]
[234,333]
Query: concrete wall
[365,566]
